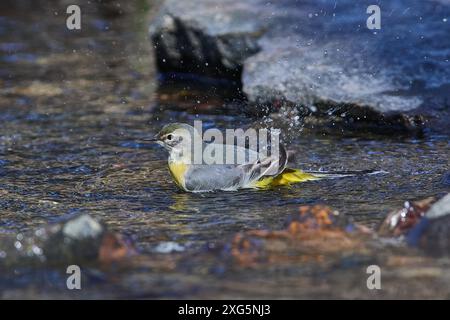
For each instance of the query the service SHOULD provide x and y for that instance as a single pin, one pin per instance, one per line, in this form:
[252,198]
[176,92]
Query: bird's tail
[291,176]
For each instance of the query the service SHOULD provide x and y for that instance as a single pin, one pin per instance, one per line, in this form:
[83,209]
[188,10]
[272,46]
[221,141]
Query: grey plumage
[213,177]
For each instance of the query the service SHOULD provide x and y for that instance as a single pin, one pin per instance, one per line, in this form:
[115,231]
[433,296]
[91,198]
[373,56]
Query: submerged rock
[316,234]
[81,239]
[317,54]
[432,234]
[400,222]
[424,224]
[82,227]
[85,239]
[78,238]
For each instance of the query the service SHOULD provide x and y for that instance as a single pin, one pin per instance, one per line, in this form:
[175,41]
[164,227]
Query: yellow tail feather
[287,177]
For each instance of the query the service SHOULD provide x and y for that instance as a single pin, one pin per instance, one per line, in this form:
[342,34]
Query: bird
[263,173]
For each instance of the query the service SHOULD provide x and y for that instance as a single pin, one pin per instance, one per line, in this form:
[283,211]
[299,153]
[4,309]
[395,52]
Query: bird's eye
[169,137]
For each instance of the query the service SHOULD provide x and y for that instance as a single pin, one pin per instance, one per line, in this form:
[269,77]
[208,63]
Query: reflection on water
[74,105]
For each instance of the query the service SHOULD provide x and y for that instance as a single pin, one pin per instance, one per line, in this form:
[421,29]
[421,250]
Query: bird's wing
[208,177]
[202,177]
[215,153]
[266,167]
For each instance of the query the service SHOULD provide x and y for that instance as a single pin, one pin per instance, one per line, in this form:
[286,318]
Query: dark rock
[317,54]
[81,239]
[424,224]
[197,37]
[432,234]
[76,239]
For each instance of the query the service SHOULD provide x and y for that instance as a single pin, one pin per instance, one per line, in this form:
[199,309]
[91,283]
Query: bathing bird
[263,172]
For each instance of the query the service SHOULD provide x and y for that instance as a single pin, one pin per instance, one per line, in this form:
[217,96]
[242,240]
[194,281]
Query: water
[74,106]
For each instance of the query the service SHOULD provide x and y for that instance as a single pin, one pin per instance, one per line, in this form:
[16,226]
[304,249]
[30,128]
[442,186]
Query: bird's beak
[152,139]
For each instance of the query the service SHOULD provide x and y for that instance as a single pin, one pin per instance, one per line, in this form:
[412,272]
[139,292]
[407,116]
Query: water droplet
[36,250]
[18,245]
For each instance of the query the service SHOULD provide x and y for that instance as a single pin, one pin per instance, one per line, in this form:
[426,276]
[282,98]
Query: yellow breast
[177,170]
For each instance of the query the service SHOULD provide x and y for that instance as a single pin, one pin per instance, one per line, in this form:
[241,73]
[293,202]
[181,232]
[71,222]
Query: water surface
[73,108]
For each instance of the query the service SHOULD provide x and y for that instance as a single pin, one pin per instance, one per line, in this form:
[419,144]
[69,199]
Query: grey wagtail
[263,173]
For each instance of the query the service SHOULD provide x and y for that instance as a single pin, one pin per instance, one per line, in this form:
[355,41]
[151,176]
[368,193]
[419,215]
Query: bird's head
[177,138]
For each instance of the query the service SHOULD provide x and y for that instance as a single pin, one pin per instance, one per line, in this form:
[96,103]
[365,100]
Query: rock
[76,239]
[82,227]
[400,222]
[314,235]
[211,38]
[84,238]
[432,234]
[317,54]
[439,209]
[424,224]
[115,248]
[79,240]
